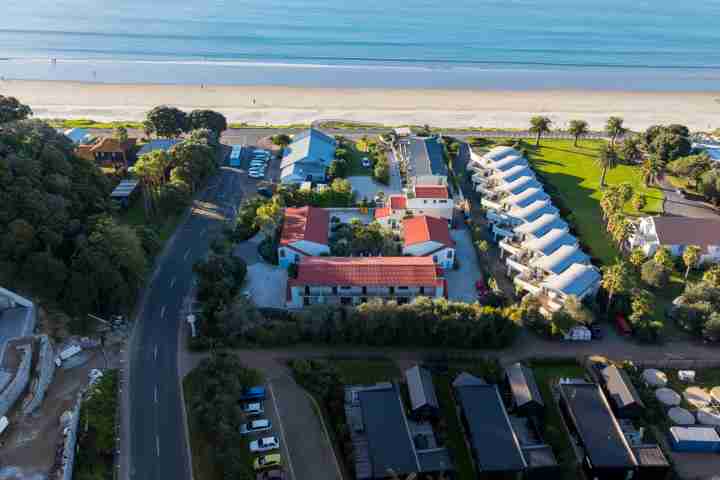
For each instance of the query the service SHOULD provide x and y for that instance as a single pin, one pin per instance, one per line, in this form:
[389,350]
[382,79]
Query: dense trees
[281,140]
[12,110]
[207,119]
[57,238]
[667,142]
[539,125]
[692,167]
[167,122]
[357,239]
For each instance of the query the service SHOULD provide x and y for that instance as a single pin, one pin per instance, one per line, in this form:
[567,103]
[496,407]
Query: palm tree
[620,228]
[614,128]
[151,169]
[631,149]
[607,160]
[617,279]
[539,125]
[651,168]
[577,128]
[691,256]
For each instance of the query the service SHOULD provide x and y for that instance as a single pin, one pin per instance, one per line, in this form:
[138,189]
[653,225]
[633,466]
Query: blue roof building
[307,157]
[78,135]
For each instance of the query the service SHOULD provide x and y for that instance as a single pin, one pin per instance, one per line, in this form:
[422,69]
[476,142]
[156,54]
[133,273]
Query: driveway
[310,453]
[461,282]
[264,282]
[366,187]
[675,204]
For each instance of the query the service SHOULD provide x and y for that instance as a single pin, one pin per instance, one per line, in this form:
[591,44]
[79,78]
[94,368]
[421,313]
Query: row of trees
[58,238]
[171,122]
[614,128]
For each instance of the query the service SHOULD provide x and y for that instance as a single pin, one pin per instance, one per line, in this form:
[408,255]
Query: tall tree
[168,122]
[539,125]
[614,127]
[151,170]
[269,216]
[692,166]
[11,110]
[281,140]
[651,169]
[691,257]
[617,279]
[607,160]
[578,128]
[632,149]
[210,119]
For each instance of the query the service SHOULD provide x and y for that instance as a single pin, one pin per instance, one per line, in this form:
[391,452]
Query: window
[450,254]
[422,290]
[364,290]
[443,201]
[403,300]
[334,290]
[402,288]
[282,253]
[424,201]
[345,287]
[307,290]
[435,258]
[297,258]
[434,201]
[392,290]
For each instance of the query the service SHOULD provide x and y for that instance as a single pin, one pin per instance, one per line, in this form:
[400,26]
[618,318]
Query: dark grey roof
[650,456]
[620,388]
[538,456]
[495,444]
[164,144]
[435,460]
[388,439]
[596,425]
[421,388]
[465,379]
[426,157]
[522,384]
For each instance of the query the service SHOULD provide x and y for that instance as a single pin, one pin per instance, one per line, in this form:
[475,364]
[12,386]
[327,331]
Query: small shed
[652,463]
[695,439]
[526,398]
[124,192]
[625,400]
[423,399]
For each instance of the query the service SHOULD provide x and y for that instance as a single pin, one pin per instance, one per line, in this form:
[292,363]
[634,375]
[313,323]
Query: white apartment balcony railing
[527,284]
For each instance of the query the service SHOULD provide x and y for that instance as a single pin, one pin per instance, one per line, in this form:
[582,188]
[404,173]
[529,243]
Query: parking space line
[282,430]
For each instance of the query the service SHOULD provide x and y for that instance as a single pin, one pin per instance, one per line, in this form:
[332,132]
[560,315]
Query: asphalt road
[158,443]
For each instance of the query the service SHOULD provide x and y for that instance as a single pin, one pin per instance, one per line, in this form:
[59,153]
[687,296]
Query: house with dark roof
[304,234]
[606,452]
[424,161]
[386,442]
[494,444]
[525,394]
[426,236]
[355,280]
[308,157]
[423,400]
[624,399]
[676,234]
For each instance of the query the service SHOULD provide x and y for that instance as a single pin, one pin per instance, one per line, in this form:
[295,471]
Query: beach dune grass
[572,176]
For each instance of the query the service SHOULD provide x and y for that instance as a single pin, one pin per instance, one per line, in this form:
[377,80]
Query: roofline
[512,430]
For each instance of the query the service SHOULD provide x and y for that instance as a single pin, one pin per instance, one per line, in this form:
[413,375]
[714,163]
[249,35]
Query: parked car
[267,461]
[264,445]
[275,474]
[253,393]
[254,408]
[257,163]
[366,162]
[265,192]
[256,174]
[255,426]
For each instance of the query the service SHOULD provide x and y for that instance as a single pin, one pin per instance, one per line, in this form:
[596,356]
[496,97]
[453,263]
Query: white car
[255,408]
[366,162]
[256,174]
[255,426]
[264,445]
[257,165]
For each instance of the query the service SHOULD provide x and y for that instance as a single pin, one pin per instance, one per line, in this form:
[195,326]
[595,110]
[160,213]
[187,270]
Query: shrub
[655,274]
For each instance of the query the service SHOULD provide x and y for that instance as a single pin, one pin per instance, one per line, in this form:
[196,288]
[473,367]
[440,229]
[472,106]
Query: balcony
[528,283]
[490,204]
[519,262]
[511,246]
[502,230]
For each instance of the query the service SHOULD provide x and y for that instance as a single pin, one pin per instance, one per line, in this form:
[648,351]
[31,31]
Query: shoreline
[448,108]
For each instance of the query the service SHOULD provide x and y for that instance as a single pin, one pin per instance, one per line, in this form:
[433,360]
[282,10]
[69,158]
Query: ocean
[655,45]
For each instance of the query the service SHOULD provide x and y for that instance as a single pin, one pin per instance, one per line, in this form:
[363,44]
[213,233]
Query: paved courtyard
[264,283]
[461,282]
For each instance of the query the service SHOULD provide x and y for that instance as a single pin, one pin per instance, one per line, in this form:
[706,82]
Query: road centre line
[282,430]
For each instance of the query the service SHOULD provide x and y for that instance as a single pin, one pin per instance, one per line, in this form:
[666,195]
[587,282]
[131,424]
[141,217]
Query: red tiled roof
[431,191]
[398,202]
[382,212]
[306,223]
[426,229]
[112,145]
[367,271]
[687,231]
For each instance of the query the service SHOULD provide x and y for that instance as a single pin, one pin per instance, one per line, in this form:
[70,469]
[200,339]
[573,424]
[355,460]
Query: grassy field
[201,447]
[135,216]
[455,438]
[355,166]
[555,433]
[367,372]
[88,123]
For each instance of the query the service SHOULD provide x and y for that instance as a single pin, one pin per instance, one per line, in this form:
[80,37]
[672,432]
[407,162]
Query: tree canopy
[209,119]
[167,122]
[11,110]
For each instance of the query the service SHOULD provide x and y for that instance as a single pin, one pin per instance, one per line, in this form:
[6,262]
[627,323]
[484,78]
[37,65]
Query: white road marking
[156,394]
[186,254]
[172,282]
[162,312]
[156,352]
[282,430]
[157,445]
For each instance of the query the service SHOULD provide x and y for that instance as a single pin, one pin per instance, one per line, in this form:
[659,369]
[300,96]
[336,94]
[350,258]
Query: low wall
[17,386]
[68,455]
[46,367]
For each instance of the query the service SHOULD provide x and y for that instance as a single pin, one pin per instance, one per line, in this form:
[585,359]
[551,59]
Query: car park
[253,393]
[267,461]
[264,444]
[255,426]
[253,408]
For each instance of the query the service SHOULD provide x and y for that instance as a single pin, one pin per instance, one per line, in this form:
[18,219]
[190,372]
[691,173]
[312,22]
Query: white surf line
[162,312]
[172,282]
[186,254]
[157,445]
[156,394]
[282,430]
[156,352]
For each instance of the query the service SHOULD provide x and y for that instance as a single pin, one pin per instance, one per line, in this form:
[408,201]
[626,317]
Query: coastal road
[158,443]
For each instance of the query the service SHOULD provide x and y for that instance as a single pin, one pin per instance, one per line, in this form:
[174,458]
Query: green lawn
[575,176]
[201,447]
[455,440]
[555,434]
[366,372]
[135,216]
[355,166]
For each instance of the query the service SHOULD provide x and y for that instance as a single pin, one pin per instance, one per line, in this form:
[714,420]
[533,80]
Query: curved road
[158,444]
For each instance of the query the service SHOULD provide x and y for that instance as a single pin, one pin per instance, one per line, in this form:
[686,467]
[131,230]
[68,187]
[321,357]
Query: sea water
[510,44]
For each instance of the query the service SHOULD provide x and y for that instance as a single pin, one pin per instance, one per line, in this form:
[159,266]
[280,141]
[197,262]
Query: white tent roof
[561,259]
[497,153]
[550,242]
[681,416]
[708,416]
[576,280]
[527,197]
[542,225]
[654,377]
[520,184]
[507,163]
[667,396]
[512,174]
[532,211]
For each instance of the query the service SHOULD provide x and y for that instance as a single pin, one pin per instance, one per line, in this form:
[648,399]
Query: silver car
[265,444]
[255,426]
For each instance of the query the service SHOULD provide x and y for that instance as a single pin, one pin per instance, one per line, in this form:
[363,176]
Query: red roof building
[305,224]
[423,229]
[398,202]
[431,191]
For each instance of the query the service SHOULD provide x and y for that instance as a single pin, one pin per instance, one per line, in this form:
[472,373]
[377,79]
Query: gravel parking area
[366,187]
[461,282]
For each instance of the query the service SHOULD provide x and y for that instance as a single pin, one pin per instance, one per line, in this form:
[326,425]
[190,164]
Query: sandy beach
[442,108]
